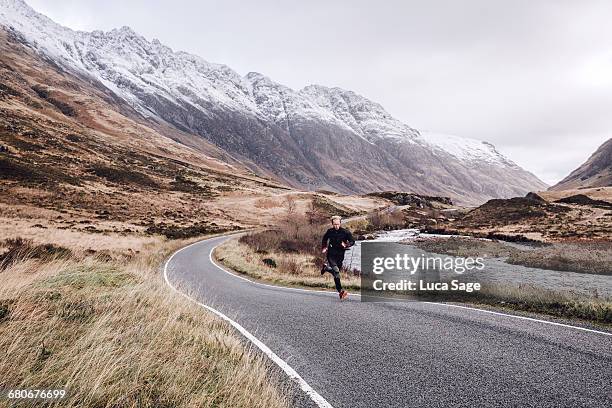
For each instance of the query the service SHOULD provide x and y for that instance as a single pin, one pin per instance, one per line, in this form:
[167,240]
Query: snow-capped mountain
[317,137]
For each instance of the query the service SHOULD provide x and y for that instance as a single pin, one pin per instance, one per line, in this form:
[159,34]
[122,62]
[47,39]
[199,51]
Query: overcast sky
[533,77]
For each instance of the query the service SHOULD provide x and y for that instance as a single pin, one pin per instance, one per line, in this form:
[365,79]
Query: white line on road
[430,303]
[314,396]
[522,317]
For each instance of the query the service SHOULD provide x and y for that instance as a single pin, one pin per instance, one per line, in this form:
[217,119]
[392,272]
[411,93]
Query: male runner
[335,241]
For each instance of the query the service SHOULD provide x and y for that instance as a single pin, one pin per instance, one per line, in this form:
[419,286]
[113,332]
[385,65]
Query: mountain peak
[127,30]
[595,172]
[254,77]
[11,10]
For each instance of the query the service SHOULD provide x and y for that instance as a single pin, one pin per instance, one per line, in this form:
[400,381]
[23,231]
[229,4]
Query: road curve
[415,354]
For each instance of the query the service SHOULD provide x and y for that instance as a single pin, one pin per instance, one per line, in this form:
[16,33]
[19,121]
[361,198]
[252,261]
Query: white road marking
[430,303]
[314,396]
[522,317]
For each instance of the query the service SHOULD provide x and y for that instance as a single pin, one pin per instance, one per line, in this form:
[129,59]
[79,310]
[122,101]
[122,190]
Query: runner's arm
[324,240]
[349,239]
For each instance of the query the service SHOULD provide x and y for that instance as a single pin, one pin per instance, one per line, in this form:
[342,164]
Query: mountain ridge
[315,137]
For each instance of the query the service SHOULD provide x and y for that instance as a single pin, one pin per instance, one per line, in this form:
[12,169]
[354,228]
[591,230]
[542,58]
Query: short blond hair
[336,217]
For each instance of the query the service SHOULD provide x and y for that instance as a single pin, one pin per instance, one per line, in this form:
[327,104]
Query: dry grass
[109,330]
[584,257]
[462,246]
[292,269]
[23,227]
[538,300]
[594,257]
[533,219]
[384,220]
[266,203]
[596,193]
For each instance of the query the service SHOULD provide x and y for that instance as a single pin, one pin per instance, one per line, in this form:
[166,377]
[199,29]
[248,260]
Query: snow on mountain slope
[282,103]
[465,149]
[129,64]
[365,117]
[291,133]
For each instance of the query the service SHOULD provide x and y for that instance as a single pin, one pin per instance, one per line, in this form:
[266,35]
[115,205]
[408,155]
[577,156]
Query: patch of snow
[465,149]
[366,118]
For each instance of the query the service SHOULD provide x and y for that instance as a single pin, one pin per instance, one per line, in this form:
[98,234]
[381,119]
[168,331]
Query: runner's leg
[335,265]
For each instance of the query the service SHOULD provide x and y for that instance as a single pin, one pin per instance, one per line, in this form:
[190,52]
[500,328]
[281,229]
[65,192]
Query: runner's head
[335,220]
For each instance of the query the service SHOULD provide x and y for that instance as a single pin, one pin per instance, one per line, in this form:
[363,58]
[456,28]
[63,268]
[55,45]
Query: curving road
[415,354]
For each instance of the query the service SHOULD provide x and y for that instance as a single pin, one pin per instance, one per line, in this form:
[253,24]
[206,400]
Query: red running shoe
[343,294]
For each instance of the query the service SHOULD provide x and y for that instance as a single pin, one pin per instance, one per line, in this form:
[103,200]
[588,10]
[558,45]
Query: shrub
[269,262]
[386,220]
[296,235]
[121,175]
[20,249]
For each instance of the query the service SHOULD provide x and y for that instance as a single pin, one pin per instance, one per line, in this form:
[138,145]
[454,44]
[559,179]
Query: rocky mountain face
[595,172]
[313,138]
[73,162]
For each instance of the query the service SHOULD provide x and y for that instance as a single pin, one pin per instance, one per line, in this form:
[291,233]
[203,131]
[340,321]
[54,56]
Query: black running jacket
[333,238]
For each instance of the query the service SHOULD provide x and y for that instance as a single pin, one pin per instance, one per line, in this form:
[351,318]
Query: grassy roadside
[106,327]
[532,299]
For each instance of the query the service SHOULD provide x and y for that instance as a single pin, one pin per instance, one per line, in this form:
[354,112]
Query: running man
[335,241]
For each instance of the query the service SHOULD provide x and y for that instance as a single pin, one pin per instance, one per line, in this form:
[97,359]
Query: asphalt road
[413,354]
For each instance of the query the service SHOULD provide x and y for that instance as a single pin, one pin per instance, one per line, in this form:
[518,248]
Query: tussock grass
[111,332]
[587,257]
[538,300]
[583,257]
[19,249]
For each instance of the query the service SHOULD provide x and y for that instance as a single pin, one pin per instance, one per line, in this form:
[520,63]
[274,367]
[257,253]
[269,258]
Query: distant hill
[595,172]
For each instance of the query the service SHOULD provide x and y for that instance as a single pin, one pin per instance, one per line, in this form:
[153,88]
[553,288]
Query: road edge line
[291,373]
[521,317]
[533,319]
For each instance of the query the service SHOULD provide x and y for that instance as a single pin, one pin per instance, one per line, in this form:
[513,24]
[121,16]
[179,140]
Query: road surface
[416,354]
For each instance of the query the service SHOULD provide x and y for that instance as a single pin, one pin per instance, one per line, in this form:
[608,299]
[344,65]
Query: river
[499,272]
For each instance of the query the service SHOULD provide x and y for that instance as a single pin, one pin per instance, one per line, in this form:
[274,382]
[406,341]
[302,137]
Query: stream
[499,272]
